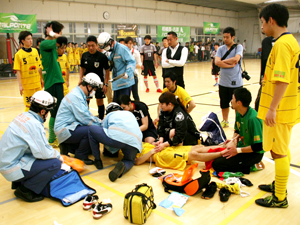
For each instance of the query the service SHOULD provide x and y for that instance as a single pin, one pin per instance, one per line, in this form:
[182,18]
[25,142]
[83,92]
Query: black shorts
[148,68]
[99,94]
[57,91]
[150,132]
[225,94]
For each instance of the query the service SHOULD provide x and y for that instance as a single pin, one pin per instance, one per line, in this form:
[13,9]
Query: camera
[111,64]
[245,75]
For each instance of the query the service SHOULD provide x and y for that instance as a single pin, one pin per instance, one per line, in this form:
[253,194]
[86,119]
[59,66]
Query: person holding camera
[94,61]
[227,58]
[122,63]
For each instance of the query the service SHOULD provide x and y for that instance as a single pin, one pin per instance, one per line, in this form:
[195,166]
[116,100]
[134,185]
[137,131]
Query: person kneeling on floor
[247,150]
[26,158]
[73,121]
[119,130]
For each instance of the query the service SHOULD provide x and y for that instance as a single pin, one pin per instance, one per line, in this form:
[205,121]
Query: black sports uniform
[182,122]
[140,110]
[95,63]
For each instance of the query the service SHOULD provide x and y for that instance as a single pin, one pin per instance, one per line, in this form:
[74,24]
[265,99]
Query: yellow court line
[241,209]
[123,195]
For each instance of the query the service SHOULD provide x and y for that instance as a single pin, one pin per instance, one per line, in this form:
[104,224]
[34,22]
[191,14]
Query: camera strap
[228,52]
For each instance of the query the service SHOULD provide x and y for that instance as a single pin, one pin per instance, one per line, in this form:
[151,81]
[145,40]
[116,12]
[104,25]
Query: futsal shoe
[102,208]
[89,200]
[224,194]
[88,161]
[268,187]
[147,90]
[272,202]
[98,164]
[224,124]
[27,195]
[159,90]
[257,167]
[117,171]
[210,191]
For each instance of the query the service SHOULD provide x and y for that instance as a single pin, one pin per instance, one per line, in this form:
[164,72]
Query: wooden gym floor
[238,210]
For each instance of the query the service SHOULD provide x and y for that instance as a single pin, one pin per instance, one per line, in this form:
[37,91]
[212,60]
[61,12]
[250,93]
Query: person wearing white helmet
[119,130]
[122,63]
[26,158]
[74,119]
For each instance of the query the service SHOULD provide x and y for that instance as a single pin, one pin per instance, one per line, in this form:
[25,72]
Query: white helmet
[43,100]
[93,80]
[113,106]
[105,41]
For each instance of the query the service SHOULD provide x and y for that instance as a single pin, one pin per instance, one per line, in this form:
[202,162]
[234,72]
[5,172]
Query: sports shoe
[216,84]
[210,191]
[224,194]
[257,167]
[89,200]
[27,195]
[102,208]
[159,90]
[224,124]
[98,164]
[88,161]
[147,90]
[272,201]
[117,171]
[267,187]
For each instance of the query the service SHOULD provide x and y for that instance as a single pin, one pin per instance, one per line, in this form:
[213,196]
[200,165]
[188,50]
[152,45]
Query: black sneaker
[98,164]
[272,202]
[28,195]
[246,182]
[210,191]
[224,194]
[268,187]
[117,171]
[88,161]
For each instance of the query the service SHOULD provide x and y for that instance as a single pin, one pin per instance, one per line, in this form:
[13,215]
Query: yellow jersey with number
[174,157]
[283,66]
[77,54]
[28,63]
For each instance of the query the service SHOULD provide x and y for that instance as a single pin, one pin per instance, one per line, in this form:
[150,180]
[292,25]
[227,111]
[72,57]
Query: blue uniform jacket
[23,142]
[73,111]
[123,127]
[123,62]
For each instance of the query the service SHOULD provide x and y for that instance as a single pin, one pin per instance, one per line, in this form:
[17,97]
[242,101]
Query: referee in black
[96,62]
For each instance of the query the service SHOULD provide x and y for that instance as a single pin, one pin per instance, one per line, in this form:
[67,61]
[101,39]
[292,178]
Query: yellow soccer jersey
[70,53]
[183,96]
[174,157]
[64,65]
[283,66]
[28,63]
[77,54]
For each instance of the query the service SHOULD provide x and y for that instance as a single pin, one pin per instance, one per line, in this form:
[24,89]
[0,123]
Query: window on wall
[100,28]
[148,29]
[74,27]
[70,28]
[114,28]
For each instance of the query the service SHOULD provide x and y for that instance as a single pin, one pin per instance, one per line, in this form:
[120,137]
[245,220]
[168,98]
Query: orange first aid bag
[76,164]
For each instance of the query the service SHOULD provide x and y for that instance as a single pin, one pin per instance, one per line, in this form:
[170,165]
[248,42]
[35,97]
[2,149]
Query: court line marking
[122,195]
[242,208]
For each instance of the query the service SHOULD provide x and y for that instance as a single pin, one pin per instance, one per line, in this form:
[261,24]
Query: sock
[282,171]
[225,175]
[216,79]
[76,69]
[52,135]
[101,112]
[71,68]
[146,82]
[156,83]
[233,188]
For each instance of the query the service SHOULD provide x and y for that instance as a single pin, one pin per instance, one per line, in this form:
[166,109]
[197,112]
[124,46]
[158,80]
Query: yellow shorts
[27,93]
[277,138]
[76,62]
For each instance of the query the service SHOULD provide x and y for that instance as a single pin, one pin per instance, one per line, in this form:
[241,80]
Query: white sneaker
[102,208]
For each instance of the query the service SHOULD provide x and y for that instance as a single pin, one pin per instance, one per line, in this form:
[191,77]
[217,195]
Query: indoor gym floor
[238,210]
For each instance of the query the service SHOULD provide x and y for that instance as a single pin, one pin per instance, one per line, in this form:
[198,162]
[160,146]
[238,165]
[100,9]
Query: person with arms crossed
[279,106]
[174,58]
[230,71]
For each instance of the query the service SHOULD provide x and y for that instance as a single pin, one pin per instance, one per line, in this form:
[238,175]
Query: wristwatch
[106,84]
